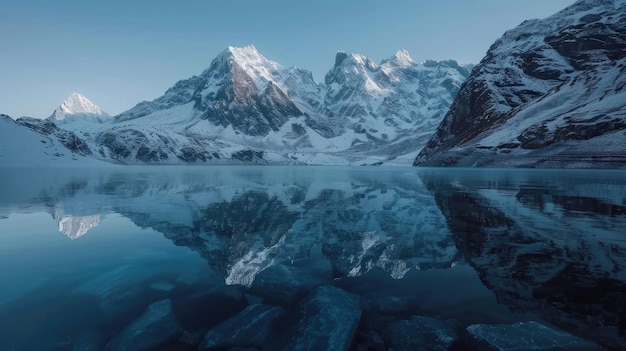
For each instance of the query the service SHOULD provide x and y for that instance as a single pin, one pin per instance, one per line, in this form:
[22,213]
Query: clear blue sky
[118,53]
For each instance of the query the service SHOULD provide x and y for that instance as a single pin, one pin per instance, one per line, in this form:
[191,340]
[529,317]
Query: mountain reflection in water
[550,245]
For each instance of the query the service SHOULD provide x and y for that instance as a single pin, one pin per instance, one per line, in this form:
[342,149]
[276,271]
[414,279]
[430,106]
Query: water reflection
[550,243]
[547,243]
[245,221]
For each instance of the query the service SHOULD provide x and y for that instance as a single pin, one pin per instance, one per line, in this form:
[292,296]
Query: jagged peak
[402,58]
[244,55]
[342,58]
[247,50]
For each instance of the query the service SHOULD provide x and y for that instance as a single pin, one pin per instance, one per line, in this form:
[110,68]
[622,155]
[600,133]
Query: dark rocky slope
[549,93]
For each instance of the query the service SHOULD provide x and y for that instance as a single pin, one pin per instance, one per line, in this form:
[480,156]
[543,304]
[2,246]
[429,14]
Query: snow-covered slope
[30,142]
[78,107]
[246,108]
[549,93]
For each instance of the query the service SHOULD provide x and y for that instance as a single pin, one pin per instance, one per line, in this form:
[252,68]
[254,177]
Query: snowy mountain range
[549,93]
[247,109]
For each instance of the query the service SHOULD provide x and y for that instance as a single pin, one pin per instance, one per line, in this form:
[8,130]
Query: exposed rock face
[549,93]
[49,129]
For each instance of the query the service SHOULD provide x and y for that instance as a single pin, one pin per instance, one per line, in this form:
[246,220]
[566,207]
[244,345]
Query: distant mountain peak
[351,59]
[77,105]
[402,59]
[245,55]
[247,50]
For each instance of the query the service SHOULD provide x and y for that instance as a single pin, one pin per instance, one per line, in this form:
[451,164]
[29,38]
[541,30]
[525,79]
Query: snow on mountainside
[247,109]
[30,142]
[549,93]
[78,107]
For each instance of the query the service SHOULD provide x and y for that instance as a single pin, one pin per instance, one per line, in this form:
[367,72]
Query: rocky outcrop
[549,93]
[46,128]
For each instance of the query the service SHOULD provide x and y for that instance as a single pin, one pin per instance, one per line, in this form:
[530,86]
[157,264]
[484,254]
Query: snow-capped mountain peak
[402,59]
[246,53]
[77,106]
[247,108]
[255,65]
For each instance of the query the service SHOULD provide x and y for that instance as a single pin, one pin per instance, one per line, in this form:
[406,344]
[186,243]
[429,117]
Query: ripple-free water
[83,253]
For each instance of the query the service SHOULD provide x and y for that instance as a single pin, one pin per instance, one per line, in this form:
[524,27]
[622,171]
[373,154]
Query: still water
[287,258]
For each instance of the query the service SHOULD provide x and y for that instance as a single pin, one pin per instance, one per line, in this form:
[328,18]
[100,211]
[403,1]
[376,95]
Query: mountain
[549,93]
[245,108]
[78,107]
[31,142]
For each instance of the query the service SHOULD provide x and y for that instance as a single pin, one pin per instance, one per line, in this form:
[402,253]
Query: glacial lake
[166,258]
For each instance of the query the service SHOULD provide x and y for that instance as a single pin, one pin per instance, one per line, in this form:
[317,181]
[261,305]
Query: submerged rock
[328,321]
[90,340]
[156,326]
[124,291]
[525,336]
[203,309]
[248,328]
[421,333]
[282,283]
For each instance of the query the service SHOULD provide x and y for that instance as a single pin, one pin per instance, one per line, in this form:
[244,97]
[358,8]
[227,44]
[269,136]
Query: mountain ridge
[247,108]
[549,93]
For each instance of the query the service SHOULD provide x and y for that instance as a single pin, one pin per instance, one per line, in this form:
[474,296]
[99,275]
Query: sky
[118,53]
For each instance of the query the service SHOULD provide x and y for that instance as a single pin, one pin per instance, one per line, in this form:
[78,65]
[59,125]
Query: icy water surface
[312,258]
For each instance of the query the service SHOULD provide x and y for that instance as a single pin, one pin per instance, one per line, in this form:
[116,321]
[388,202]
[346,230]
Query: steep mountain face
[246,108]
[30,142]
[385,104]
[78,107]
[549,93]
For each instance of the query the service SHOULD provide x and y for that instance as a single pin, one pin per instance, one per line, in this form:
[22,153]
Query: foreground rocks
[523,336]
[421,333]
[328,321]
[249,328]
[155,327]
